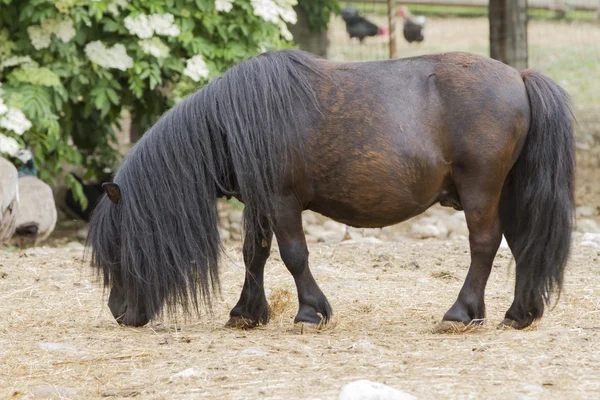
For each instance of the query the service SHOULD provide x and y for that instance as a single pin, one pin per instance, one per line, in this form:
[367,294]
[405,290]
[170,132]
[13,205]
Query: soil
[59,338]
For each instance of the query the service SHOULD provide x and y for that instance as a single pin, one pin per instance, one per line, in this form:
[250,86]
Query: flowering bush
[69,67]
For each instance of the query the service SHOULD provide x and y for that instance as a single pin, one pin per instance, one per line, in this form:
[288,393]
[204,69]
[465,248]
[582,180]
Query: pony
[367,144]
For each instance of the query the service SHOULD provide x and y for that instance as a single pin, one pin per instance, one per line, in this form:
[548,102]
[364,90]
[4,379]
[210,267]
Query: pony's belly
[370,213]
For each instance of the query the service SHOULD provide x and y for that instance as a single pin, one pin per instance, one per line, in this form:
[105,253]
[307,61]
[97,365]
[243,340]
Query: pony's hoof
[241,323]
[508,323]
[304,328]
[456,327]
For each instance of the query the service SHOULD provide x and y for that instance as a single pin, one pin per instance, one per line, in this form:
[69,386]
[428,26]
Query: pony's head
[154,234]
[125,301]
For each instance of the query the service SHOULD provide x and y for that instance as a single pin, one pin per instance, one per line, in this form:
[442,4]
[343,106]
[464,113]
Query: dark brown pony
[367,144]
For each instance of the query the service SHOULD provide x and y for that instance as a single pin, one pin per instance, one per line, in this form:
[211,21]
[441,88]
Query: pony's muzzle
[124,313]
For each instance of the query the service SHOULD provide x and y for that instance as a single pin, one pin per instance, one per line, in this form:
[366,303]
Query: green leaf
[77,190]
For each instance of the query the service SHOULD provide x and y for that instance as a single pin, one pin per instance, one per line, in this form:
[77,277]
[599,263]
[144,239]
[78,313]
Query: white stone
[584,211]
[429,227]
[588,243]
[367,390]
[587,225]
[253,353]
[188,373]
[235,216]
[57,346]
[591,237]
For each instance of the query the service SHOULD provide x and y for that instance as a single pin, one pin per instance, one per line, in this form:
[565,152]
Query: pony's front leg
[485,235]
[313,305]
[252,307]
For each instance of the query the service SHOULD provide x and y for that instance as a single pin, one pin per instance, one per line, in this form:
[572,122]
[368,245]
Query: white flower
[144,26]
[115,57]
[14,120]
[285,32]
[287,13]
[9,145]
[15,60]
[163,24]
[224,5]
[3,107]
[64,30]
[40,35]
[154,47]
[196,68]
[39,38]
[266,9]
[114,5]
[139,26]
[277,11]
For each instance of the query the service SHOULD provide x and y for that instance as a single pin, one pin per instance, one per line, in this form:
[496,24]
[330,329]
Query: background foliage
[319,12]
[74,101]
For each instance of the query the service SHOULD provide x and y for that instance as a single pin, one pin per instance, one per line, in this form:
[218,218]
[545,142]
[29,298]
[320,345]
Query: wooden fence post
[508,32]
[392,27]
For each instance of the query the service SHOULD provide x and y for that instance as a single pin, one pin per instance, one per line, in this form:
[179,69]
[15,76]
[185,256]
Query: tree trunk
[312,41]
[508,32]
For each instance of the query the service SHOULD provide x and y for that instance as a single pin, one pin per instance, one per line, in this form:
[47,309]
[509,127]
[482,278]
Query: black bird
[358,26]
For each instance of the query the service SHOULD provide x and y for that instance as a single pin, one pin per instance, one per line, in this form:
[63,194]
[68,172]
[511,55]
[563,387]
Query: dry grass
[383,331]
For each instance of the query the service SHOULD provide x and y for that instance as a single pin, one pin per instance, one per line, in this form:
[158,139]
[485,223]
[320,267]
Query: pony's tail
[538,201]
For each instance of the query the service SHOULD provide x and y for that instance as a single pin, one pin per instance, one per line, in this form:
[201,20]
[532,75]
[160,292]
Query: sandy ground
[57,336]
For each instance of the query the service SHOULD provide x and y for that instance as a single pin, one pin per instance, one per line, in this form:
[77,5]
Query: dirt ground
[58,337]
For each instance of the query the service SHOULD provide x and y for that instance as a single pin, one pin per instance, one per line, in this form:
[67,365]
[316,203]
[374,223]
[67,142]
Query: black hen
[413,26]
[359,27]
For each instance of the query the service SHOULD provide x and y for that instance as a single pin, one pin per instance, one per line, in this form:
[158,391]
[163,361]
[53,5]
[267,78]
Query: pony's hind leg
[313,305]
[485,235]
[516,316]
[252,307]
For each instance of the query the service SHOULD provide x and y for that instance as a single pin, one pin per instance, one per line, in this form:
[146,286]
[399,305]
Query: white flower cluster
[144,26]
[40,34]
[154,47]
[279,12]
[196,68]
[9,145]
[114,5]
[15,60]
[14,120]
[224,5]
[115,57]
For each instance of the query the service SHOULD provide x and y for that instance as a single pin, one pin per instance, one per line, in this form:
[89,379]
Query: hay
[382,331]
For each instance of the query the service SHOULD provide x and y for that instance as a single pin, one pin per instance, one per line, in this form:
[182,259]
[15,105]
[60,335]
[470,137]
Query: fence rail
[586,5]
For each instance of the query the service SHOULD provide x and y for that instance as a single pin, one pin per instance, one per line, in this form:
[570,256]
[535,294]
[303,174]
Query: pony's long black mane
[235,136]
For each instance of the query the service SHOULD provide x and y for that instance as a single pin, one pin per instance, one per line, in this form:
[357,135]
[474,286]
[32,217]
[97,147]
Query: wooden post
[392,25]
[508,32]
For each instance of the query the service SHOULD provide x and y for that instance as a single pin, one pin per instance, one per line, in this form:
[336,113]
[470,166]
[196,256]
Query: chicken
[413,25]
[9,199]
[37,214]
[359,27]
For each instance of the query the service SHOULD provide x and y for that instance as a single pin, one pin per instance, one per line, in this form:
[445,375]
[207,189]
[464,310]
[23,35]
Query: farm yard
[59,339]
[388,288]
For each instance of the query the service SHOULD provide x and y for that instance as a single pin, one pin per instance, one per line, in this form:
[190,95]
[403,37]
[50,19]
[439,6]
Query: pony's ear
[112,191]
